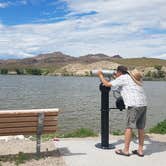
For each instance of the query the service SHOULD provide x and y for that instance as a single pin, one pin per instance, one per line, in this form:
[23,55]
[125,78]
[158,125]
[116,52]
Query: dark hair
[122,69]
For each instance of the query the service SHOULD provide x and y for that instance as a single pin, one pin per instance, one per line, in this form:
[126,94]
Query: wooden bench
[29,122]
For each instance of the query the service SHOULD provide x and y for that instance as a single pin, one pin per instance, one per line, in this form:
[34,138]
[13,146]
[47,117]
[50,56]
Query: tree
[149,74]
[19,71]
[160,73]
[4,71]
[158,67]
[33,71]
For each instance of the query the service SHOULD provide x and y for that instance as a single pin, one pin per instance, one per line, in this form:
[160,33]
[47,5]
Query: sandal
[136,152]
[120,152]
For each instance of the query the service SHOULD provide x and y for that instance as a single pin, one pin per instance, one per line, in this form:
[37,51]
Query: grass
[18,159]
[160,128]
[22,158]
[80,133]
[117,132]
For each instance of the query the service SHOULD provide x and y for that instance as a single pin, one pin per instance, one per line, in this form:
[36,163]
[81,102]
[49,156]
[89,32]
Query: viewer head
[121,70]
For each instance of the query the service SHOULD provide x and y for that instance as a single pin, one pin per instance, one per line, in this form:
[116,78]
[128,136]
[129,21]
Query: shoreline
[144,79]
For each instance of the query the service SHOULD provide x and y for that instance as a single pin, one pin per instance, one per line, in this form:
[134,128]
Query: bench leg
[38,144]
[39,132]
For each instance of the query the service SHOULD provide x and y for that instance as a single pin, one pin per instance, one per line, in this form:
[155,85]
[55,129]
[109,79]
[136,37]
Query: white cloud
[161,56]
[126,27]
[4,4]
[24,2]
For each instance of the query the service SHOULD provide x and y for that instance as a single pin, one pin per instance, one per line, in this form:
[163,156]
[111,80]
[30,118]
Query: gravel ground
[9,150]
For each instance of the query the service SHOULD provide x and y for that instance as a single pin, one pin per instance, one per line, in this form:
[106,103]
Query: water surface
[77,97]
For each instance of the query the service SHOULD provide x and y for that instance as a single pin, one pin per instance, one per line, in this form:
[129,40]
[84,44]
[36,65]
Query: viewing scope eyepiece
[107,73]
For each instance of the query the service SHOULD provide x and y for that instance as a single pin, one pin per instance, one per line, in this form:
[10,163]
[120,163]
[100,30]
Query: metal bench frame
[40,122]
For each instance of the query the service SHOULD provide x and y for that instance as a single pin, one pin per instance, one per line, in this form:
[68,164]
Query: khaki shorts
[136,117]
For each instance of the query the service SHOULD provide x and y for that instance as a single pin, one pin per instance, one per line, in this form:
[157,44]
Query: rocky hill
[84,69]
[59,63]
[52,60]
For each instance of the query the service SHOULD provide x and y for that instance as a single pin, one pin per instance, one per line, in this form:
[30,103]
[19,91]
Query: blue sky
[32,11]
[130,28]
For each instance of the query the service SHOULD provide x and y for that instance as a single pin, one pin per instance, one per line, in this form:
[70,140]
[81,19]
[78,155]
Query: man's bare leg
[128,135]
[141,140]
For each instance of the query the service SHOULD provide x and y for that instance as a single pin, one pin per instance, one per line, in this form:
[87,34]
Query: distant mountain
[56,56]
[117,56]
[57,62]
[91,58]
[55,59]
[50,60]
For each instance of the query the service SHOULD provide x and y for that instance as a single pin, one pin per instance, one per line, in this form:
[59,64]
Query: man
[130,84]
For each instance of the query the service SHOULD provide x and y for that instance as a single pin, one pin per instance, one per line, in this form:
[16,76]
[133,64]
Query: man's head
[121,70]
[136,76]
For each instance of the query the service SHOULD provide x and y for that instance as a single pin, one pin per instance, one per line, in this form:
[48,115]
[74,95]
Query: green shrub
[158,67]
[19,71]
[18,159]
[117,132]
[4,71]
[34,71]
[161,74]
[160,128]
[21,158]
[45,72]
[149,74]
[82,132]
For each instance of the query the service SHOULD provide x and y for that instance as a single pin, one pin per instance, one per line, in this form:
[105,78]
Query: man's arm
[103,80]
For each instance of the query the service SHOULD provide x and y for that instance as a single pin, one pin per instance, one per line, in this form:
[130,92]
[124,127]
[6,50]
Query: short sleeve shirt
[133,94]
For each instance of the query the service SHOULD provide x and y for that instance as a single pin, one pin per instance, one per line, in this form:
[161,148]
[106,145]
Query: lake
[77,97]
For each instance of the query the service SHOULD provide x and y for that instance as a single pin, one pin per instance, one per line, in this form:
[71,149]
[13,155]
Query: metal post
[39,132]
[38,144]
[104,119]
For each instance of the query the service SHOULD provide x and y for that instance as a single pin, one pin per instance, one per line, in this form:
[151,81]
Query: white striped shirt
[132,94]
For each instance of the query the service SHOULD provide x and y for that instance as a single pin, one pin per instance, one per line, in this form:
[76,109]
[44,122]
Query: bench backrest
[26,122]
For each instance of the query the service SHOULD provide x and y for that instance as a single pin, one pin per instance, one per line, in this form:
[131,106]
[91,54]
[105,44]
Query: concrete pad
[82,152]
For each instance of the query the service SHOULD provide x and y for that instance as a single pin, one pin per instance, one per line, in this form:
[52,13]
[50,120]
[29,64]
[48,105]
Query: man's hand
[102,79]
[99,73]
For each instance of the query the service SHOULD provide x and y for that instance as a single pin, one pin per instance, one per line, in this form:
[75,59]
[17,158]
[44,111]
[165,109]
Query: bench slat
[26,124]
[23,130]
[26,119]
[29,111]
[19,114]
[27,133]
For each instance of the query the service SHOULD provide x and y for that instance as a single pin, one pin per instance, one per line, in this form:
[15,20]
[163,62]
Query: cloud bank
[130,28]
